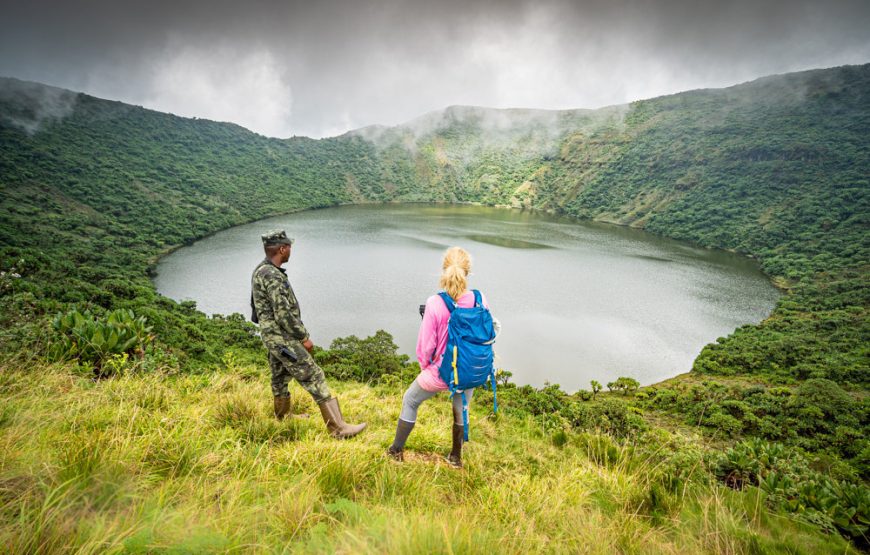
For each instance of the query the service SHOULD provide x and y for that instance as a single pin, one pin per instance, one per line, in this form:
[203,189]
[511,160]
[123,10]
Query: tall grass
[197,463]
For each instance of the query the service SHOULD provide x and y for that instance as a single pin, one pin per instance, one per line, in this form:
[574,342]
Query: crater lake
[577,301]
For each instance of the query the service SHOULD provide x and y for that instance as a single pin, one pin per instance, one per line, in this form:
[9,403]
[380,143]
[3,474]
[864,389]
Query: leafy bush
[624,384]
[819,415]
[616,418]
[724,424]
[596,387]
[363,360]
[94,341]
[548,400]
[503,378]
[790,484]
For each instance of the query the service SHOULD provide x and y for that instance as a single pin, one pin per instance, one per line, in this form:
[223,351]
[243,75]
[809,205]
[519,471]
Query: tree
[628,385]
[596,387]
[624,384]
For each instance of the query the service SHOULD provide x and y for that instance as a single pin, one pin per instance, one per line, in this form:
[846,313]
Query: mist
[322,69]
[28,106]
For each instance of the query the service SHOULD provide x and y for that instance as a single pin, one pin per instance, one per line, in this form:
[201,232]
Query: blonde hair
[454,271]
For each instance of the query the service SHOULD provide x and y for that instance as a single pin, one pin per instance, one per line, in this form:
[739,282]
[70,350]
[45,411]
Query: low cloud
[222,84]
[353,63]
[29,106]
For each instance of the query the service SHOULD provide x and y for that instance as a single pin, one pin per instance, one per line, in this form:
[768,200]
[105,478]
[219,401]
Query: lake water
[577,301]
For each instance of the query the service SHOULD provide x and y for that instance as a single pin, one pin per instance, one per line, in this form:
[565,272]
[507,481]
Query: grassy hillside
[196,463]
[762,448]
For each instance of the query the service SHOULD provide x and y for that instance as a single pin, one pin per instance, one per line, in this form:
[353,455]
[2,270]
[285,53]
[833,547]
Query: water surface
[577,301]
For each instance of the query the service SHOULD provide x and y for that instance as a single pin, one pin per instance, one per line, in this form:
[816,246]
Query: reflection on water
[653,258]
[577,301]
[506,242]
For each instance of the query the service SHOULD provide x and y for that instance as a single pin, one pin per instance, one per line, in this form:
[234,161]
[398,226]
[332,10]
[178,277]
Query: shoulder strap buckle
[451,304]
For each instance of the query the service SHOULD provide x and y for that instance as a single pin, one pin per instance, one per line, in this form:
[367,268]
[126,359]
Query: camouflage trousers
[305,371]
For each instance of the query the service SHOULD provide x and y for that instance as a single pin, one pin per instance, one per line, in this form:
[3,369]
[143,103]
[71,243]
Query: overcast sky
[320,68]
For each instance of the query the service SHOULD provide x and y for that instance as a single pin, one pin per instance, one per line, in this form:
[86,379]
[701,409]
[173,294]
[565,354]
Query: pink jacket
[432,339]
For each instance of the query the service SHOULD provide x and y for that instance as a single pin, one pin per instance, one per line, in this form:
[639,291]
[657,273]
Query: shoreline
[153,262]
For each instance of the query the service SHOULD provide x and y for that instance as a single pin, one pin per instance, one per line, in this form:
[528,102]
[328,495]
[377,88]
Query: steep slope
[474,154]
[776,165]
[776,169]
[94,191]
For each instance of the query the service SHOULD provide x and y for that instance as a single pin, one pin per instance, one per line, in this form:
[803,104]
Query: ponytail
[455,269]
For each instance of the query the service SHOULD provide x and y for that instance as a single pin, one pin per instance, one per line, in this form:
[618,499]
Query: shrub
[94,341]
[363,360]
[785,476]
[580,416]
[725,424]
[624,384]
[617,420]
[596,387]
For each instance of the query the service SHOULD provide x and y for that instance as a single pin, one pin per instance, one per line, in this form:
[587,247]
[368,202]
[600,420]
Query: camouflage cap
[276,237]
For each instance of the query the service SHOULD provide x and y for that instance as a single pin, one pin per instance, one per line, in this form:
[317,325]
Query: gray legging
[415,395]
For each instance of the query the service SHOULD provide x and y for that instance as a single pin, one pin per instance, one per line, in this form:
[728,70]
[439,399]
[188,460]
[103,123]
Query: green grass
[197,463]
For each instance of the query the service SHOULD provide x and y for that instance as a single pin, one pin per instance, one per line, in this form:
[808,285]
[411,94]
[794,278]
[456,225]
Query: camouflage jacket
[276,306]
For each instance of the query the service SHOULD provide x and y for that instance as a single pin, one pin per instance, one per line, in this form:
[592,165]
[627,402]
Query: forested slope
[89,200]
[776,169]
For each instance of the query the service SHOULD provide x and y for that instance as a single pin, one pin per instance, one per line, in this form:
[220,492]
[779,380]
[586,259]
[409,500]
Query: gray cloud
[322,68]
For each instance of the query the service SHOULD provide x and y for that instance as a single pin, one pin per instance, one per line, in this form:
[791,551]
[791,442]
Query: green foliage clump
[624,384]
[557,409]
[824,415]
[373,359]
[596,387]
[818,415]
[93,341]
[790,483]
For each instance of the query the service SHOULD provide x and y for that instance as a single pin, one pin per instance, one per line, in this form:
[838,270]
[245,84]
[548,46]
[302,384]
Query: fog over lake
[577,300]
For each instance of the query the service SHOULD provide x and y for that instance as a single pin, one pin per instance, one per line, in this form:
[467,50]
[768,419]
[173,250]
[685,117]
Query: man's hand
[308,345]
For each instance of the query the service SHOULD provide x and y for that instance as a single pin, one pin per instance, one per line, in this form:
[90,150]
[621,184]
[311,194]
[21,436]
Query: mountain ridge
[452,109]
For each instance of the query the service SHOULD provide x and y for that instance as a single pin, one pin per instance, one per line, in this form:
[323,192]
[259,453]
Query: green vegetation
[149,462]
[786,477]
[94,342]
[624,384]
[762,448]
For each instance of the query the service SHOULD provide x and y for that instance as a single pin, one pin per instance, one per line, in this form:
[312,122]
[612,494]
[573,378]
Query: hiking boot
[455,456]
[403,430]
[282,407]
[398,456]
[335,423]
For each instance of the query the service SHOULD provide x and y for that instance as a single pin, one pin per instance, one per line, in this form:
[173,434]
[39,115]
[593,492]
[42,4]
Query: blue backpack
[468,358]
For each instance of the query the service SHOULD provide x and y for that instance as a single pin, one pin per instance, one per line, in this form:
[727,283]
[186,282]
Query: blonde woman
[431,343]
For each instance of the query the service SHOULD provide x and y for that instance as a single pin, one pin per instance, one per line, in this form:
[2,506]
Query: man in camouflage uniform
[276,309]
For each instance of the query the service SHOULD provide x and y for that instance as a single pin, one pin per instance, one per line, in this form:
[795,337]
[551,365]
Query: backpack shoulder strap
[448,301]
[478,300]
